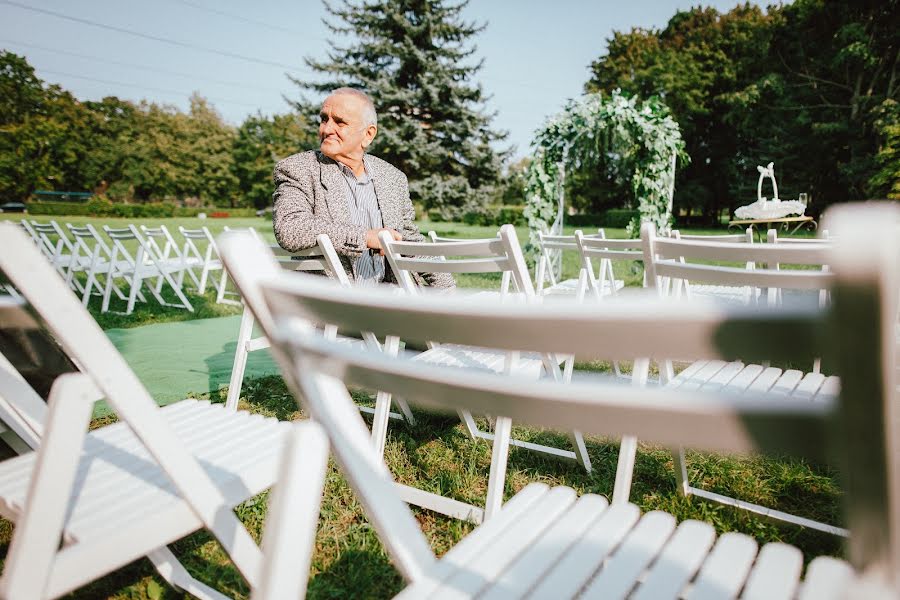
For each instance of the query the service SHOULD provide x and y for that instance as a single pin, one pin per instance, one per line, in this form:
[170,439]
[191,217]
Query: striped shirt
[364,211]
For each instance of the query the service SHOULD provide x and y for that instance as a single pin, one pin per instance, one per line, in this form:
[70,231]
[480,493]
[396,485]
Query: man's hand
[372,238]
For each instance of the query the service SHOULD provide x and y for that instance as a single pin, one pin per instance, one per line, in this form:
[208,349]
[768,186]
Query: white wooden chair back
[35,565]
[868,430]
[669,258]
[56,247]
[434,238]
[493,255]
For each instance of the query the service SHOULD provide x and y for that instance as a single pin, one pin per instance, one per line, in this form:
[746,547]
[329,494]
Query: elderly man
[345,193]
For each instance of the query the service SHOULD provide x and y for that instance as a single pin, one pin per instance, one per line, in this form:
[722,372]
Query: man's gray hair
[369,116]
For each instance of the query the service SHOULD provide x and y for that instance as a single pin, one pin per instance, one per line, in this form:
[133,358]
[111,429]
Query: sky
[536,53]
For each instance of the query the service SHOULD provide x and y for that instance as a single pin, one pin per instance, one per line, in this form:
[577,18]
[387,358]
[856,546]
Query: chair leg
[174,573]
[383,403]
[580,450]
[245,332]
[628,446]
[499,456]
[681,476]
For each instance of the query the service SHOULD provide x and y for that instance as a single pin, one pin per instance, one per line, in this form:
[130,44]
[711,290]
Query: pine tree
[414,58]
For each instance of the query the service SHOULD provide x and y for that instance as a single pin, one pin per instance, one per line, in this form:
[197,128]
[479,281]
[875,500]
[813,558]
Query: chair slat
[480,572]
[532,566]
[638,550]
[776,574]
[678,562]
[600,538]
[725,569]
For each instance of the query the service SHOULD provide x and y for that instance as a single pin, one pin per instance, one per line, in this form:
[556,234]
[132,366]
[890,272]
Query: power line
[145,87]
[243,19]
[150,37]
[237,84]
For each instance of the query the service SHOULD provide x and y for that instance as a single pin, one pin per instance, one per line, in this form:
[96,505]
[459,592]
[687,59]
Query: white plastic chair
[702,261]
[129,489]
[135,269]
[602,281]
[501,254]
[547,542]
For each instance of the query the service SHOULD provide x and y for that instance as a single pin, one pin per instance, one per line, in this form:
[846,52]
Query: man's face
[342,132]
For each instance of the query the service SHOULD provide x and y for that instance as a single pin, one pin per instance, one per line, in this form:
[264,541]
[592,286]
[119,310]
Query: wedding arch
[592,129]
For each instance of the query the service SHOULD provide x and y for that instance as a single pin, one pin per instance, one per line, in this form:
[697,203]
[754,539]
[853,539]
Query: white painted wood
[826,578]
[776,573]
[472,577]
[207,259]
[127,490]
[530,567]
[616,552]
[638,549]
[146,264]
[502,254]
[293,516]
[726,568]
[599,539]
[678,562]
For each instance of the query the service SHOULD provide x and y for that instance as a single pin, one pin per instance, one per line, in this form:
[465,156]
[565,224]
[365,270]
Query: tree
[262,141]
[413,58]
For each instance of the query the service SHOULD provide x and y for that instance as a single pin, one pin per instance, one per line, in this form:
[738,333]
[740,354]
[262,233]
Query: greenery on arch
[639,133]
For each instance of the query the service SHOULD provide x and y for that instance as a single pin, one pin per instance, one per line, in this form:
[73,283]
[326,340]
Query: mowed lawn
[438,456]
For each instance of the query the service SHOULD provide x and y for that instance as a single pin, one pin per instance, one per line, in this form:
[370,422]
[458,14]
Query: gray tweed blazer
[311,198]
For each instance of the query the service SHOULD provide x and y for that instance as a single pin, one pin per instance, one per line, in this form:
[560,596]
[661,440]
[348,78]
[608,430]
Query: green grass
[438,456]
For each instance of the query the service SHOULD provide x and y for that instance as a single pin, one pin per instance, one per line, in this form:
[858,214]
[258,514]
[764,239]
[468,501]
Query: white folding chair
[501,254]
[547,542]
[93,256]
[551,246]
[170,257]
[144,264]
[59,250]
[601,281]
[127,490]
[321,257]
[207,259]
[725,293]
[707,262]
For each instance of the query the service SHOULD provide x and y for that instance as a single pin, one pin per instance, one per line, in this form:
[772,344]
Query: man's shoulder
[299,161]
[383,168]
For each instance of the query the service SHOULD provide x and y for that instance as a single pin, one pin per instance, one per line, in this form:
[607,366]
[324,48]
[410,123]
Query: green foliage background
[812,85]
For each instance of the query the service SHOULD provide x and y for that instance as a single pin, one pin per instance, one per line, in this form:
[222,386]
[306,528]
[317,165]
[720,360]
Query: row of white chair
[170,471]
[130,260]
[546,542]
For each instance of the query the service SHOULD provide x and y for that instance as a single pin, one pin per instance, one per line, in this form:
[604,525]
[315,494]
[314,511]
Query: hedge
[150,210]
[500,215]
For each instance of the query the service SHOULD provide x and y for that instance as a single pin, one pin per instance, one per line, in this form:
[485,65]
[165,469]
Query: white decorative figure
[764,172]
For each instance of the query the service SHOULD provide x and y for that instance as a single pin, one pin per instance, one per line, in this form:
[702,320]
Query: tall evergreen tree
[414,58]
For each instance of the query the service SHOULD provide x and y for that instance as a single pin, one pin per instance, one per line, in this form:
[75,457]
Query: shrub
[616,217]
[101,207]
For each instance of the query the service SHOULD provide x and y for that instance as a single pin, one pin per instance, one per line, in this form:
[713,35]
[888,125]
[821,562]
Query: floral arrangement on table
[764,208]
